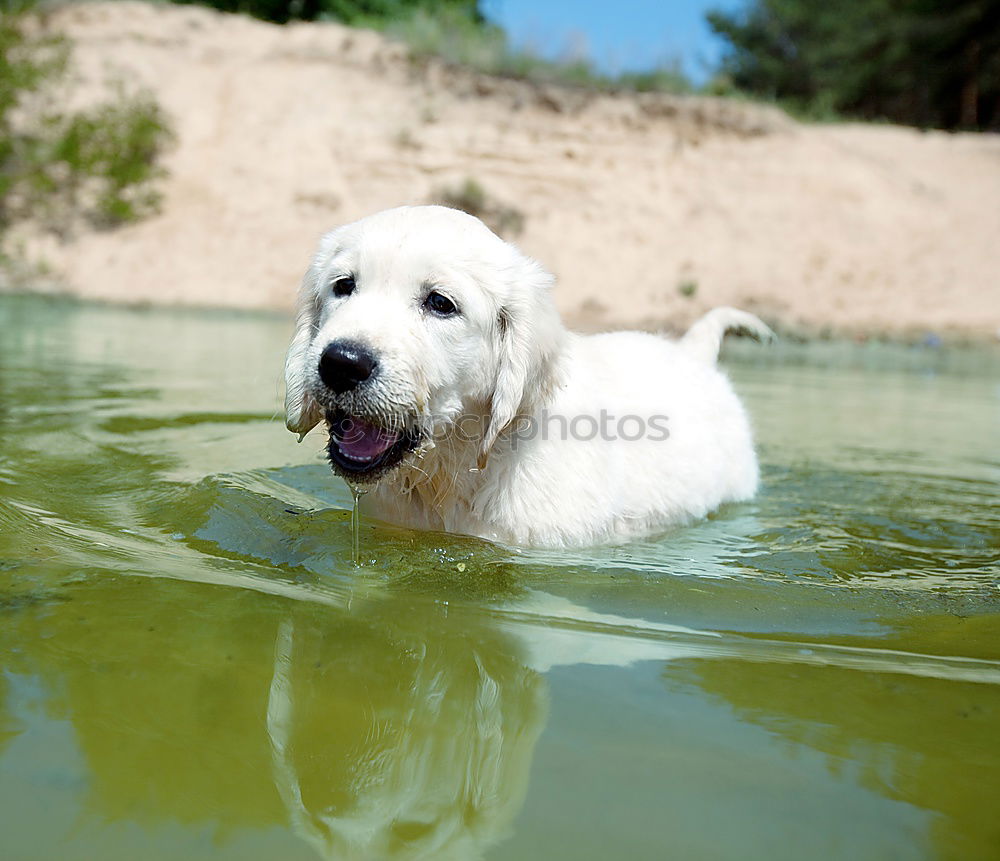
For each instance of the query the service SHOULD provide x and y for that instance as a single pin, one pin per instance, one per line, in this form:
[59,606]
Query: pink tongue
[362,441]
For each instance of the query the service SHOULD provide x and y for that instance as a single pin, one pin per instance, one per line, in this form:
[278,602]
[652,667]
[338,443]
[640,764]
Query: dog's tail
[704,338]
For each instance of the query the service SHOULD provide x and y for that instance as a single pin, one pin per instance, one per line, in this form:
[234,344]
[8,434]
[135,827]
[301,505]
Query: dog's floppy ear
[302,413]
[530,338]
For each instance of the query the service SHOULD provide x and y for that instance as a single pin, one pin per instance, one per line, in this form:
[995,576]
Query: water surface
[192,667]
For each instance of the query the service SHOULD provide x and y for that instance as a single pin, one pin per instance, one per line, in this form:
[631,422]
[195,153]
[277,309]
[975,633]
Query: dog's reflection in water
[423,754]
[420,746]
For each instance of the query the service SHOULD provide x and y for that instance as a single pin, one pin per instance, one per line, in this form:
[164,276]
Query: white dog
[455,397]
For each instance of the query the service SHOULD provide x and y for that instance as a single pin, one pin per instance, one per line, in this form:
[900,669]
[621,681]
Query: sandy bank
[284,132]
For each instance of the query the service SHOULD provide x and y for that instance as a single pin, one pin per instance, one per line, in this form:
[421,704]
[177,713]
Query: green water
[191,665]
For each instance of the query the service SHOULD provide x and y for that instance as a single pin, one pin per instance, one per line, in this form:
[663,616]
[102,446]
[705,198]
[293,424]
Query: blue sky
[617,34]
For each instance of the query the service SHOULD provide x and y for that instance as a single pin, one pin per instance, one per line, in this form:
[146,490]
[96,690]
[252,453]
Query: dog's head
[409,320]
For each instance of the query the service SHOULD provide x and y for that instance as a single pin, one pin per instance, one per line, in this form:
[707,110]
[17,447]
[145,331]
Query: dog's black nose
[345,364]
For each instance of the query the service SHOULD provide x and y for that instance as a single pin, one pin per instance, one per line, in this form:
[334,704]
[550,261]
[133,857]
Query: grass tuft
[454,38]
[472,198]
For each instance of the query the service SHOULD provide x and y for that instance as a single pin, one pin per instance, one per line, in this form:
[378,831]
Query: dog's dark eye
[344,286]
[438,303]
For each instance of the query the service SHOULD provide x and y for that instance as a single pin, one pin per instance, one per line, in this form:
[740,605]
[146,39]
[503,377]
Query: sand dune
[634,202]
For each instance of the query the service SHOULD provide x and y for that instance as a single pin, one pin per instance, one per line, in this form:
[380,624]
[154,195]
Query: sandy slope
[285,132]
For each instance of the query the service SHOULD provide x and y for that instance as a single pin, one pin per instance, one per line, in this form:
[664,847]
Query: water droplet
[357,493]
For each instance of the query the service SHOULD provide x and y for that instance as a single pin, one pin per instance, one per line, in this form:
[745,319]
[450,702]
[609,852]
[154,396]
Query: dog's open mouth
[363,449]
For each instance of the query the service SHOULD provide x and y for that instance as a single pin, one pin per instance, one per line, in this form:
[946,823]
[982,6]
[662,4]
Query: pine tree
[922,62]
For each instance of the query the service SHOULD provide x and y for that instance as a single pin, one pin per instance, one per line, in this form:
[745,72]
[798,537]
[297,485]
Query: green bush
[358,12]
[56,167]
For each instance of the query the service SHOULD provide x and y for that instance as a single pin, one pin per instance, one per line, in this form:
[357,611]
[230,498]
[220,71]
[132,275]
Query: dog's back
[644,433]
